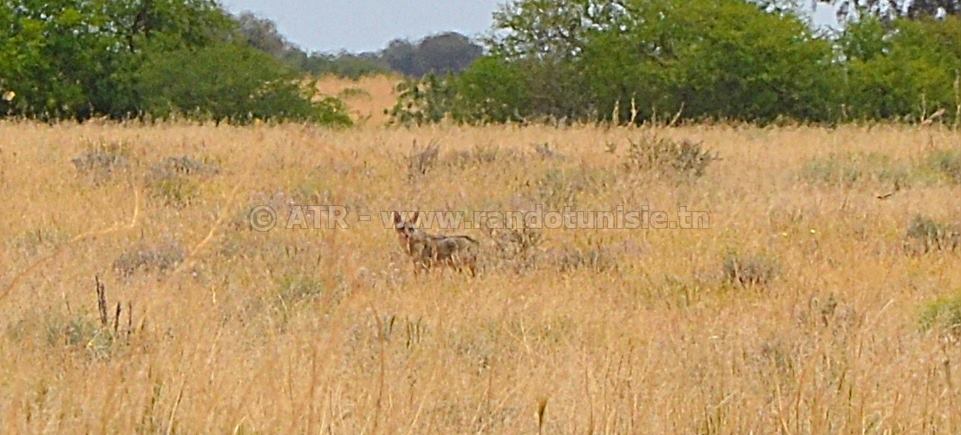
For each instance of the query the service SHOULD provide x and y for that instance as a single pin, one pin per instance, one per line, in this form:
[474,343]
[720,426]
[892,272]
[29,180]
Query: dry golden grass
[310,331]
[366,97]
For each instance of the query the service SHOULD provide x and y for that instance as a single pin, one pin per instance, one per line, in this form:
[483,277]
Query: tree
[262,34]
[232,82]
[491,90]
[933,8]
[908,72]
[437,54]
[445,53]
[84,58]
[400,55]
[345,64]
[552,28]
[887,10]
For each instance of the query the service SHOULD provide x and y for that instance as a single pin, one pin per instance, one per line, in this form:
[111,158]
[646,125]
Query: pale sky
[368,25]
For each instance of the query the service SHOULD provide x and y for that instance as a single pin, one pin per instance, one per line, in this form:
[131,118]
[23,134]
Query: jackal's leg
[472,268]
[419,267]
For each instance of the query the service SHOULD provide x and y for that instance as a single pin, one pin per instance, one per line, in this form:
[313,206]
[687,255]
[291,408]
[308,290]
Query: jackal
[427,250]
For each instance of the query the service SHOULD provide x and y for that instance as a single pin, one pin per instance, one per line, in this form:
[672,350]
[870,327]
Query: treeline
[77,59]
[443,53]
[638,60]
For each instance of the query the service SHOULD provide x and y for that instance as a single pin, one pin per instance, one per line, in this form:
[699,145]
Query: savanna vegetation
[821,297]
[78,59]
[819,292]
[638,60]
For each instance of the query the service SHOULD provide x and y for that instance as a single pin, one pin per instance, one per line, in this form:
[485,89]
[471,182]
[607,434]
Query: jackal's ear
[397,218]
[413,220]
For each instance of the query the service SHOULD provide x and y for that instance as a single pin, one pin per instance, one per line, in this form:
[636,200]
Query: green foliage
[348,65]
[748,65]
[716,59]
[908,71]
[492,90]
[231,82]
[424,101]
[75,59]
[440,54]
[644,60]
[943,314]
[79,59]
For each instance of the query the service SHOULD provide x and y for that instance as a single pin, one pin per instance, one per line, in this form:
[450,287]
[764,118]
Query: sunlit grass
[630,331]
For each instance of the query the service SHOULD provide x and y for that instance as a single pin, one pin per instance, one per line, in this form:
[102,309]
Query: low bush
[749,270]
[686,158]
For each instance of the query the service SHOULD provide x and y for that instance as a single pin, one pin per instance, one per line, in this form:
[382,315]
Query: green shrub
[907,70]
[943,314]
[76,59]
[228,82]
[77,332]
[346,65]
[490,91]
[425,101]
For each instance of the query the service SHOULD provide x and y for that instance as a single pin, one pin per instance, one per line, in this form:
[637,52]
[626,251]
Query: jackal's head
[406,231]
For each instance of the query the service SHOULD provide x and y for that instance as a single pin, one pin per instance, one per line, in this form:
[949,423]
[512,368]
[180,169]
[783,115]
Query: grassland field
[821,298]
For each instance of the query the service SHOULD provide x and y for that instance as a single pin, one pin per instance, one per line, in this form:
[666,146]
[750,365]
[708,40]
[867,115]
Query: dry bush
[183,166]
[33,242]
[516,246]
[945,162]
[547,152]
[686,158]
[97,336]
[755,270]
[596,258]
[176,180]
[101,161]
[294,294]
[149,258]
[480,155]
[847,169]
[420,161]
[560,187]
[925,235]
